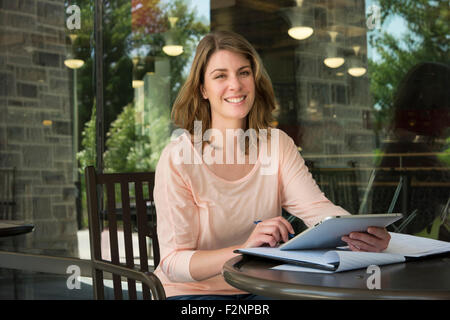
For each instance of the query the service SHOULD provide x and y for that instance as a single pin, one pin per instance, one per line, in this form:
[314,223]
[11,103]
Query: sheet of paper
[413,246]
[291,267]
[350,260]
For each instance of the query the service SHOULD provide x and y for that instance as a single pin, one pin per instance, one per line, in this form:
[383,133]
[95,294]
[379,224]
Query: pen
[291,235]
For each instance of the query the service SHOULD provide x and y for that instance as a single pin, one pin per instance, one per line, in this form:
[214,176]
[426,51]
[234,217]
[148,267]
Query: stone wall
[36,122]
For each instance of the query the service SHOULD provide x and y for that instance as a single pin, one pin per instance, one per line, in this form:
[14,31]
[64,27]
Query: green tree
[87,156]
[120,139]
[426,40]
[132,28]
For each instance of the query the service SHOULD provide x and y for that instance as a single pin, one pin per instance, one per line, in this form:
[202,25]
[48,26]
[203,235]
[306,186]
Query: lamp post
[72,63]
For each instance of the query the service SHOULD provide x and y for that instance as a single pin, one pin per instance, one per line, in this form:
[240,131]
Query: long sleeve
[300,194]
[178,221]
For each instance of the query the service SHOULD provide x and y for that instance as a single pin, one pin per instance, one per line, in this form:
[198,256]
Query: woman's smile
[236,100]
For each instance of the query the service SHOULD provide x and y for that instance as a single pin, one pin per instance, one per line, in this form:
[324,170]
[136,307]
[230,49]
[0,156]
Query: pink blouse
[197,210]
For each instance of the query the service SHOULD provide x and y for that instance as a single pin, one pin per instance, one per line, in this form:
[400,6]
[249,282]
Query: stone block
[23,6]
[41,208]
[52,14]
[27,90]
[52,177]
[46,59]
[37,156]
[50,101]
[34,135]
[59,212]
[10,159]
[62,127]
[15,134]
[30,74]
[20,21]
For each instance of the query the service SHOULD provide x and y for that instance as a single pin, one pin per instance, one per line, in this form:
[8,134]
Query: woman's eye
[220,76]
[245,73]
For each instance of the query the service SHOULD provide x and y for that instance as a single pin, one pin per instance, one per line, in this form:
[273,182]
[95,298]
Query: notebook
[402,247]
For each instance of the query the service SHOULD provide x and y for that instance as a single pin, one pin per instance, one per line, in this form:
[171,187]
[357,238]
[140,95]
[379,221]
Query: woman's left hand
[375,240]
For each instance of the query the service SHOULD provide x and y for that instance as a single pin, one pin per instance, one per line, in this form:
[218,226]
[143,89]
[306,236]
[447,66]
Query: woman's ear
[202,90]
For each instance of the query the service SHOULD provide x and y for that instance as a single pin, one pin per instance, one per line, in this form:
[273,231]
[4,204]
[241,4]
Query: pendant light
[356,68]
[172,48]
[299,19]
[333,59]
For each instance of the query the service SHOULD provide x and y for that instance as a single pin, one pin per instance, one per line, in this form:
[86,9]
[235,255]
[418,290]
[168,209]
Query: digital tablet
[328,232]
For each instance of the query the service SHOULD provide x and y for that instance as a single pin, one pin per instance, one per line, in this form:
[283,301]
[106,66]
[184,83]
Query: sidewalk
[85,251]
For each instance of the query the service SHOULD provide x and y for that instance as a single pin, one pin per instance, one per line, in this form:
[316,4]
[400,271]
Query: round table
[427,278]
[13,228]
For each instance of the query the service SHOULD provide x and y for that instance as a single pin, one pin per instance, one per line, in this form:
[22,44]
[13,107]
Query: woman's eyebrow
[223,69]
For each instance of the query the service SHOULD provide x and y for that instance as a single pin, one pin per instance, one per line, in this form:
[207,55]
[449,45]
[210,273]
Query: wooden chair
[104,188]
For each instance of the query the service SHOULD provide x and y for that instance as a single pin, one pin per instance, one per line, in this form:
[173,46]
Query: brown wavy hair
[190,106]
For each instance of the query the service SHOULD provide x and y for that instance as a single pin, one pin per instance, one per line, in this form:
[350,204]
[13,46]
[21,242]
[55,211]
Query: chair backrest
[127,197]
[7,194]
[339,185]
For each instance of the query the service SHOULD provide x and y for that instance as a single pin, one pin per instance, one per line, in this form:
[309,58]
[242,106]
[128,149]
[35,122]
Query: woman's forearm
[205,264]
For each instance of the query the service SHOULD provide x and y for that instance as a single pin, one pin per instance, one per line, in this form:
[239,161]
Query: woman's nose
[234,83]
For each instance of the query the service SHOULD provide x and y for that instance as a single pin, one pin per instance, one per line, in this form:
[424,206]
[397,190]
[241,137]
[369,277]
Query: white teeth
[235,100]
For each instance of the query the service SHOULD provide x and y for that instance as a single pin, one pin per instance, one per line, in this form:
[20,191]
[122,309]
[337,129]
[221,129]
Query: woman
[212,194]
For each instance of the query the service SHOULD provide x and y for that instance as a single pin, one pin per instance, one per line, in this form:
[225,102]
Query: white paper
[349,260]
[413,246]
[400,246]
[292,267]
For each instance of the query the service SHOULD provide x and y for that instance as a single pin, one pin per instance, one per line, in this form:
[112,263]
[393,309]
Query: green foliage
[87,156]
[426,40]
[128,27]
[120,139]
[445,157]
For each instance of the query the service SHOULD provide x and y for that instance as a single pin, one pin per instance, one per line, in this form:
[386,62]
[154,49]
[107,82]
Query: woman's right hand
[270,232]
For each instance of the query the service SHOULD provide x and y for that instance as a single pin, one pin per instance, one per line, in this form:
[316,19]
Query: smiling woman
[240,74]
[207,211]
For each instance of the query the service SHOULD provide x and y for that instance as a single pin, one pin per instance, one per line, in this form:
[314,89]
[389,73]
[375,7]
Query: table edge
[284,290]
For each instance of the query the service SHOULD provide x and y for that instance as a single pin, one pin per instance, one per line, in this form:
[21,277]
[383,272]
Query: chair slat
[141,215]
[152,225]
[113,241]
[94,229]
[128,236]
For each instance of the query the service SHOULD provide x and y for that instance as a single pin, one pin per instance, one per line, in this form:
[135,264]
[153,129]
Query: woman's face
[229,86]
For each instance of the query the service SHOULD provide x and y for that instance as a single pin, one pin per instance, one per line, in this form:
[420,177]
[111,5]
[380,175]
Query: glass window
[45,62]
[362,88]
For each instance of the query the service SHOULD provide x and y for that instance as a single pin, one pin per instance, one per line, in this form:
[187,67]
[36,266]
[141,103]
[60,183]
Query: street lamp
[73,63]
